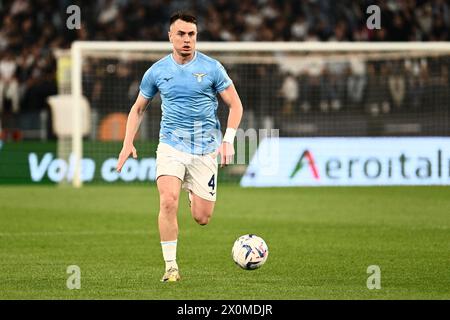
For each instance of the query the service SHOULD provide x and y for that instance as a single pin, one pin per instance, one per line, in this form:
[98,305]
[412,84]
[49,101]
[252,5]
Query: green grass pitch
[321,242]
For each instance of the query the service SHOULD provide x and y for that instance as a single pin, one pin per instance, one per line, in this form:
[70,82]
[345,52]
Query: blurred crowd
[364,86]
[30,31]
[416,86]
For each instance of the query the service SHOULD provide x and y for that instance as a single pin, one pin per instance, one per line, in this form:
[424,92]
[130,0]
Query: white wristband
[230,133]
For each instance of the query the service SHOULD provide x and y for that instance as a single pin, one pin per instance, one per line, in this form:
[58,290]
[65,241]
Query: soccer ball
[250,252]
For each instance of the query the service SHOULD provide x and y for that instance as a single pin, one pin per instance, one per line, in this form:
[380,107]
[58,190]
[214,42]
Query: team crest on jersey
[199,76]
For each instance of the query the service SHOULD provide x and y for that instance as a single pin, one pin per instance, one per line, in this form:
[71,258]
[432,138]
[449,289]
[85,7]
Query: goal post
[77,137]
[310,103]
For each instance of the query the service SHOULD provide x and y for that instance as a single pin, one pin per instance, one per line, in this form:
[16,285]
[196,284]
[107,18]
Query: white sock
[169,249]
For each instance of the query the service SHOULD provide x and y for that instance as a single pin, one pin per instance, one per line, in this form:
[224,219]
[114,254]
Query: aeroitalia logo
[353,162]
[306,155]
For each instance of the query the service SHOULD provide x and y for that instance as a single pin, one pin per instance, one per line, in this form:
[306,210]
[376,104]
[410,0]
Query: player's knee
[203,221]
[169,203]
[202,217]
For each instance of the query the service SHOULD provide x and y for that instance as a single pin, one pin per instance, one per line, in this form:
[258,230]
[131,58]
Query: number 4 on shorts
[211,182]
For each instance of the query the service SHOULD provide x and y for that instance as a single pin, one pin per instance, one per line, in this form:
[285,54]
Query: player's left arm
[232,100]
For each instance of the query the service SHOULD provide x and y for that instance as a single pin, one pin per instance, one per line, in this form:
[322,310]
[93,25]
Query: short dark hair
[185,16]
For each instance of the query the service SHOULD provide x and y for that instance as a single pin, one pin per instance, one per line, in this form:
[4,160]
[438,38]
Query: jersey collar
[186,64]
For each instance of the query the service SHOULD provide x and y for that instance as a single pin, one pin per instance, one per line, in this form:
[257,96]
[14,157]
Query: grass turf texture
[321,241]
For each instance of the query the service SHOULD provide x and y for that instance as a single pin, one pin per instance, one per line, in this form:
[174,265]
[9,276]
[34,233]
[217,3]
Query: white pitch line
[70,233]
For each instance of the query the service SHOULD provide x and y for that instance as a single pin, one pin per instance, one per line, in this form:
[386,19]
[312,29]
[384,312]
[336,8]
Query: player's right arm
[134,120]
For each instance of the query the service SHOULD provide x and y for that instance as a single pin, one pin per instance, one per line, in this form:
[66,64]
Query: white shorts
[197,172]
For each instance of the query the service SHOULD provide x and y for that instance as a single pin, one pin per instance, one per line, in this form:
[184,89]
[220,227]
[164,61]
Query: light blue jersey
[188,91]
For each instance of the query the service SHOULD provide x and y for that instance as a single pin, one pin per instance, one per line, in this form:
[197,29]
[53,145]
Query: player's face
[183,36]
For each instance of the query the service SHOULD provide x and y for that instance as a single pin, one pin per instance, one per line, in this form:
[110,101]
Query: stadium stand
[30,32]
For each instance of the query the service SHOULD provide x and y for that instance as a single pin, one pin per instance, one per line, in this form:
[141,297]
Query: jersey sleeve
[148,86]
[221,79]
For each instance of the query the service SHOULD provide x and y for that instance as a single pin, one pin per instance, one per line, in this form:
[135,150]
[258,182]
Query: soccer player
[190,137]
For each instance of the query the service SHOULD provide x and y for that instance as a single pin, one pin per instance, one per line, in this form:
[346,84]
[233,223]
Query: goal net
[301,89]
